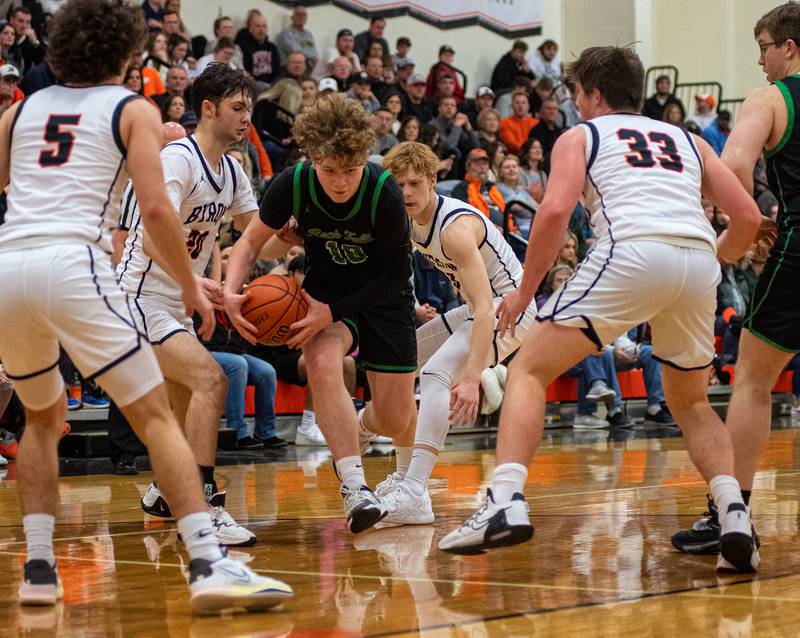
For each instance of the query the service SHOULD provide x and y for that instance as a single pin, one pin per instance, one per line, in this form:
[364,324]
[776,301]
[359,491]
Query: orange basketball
[273,304]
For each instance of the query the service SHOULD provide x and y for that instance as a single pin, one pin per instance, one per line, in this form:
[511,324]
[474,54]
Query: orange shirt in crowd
[514,131]
[152,82]
[263,158]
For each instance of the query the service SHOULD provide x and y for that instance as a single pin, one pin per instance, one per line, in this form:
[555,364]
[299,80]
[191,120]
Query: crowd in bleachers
[493,145]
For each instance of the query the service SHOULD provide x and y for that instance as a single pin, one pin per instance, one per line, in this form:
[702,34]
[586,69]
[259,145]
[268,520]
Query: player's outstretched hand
[767,234]
[213,291]
[509,310]
[317,319]
[195,301]
[464,398]
[290,233]
[233,308]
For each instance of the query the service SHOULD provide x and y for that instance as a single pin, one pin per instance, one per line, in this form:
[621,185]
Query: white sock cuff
[192,523]
[517,468]
[722,481]
[39,521]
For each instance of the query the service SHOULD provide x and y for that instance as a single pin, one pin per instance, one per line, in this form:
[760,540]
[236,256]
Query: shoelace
[220,517]
[476,515]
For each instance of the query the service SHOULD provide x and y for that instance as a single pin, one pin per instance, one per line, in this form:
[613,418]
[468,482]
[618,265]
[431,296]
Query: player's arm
[723,188]
[140,129]
[5,145]
[567,176]
[752,132]
[460,242]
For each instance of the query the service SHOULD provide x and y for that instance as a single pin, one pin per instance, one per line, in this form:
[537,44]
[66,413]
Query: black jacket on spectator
[31,55]
[506,71]
[262,60]
[654,110]
[547,137]
[379,89]
[422,110]
[364,41]
[39,77]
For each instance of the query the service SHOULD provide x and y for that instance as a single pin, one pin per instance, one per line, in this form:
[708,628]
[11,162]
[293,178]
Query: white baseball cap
[9,70]
[328,84]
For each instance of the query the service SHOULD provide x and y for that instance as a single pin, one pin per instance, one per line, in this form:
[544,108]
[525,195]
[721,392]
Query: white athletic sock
[403,458]
[39,536]
[197,532]
[507,479]
[725,490]
[419,471]
[653,409]
[308,420]
[351,472]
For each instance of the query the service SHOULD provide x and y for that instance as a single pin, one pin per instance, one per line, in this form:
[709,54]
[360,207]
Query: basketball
[273,304]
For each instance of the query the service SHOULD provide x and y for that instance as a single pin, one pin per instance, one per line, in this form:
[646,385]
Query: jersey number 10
[64,140]
[641,155]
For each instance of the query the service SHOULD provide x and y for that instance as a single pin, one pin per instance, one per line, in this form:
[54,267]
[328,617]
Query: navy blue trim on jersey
[427,243]
[117,361]
[133,246]
[108,201]
[115,119]
[503,264]
[669,363]
[16,117]
[127,211]
[458,211]
[25,377]
[446,325]
[589,330]
[130,324]
[168,335]
[233,173]
[206,169]
[595,144]
[139,294]
[694,148]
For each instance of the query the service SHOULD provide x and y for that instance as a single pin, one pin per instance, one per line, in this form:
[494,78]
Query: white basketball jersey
[502,265]
[644,180]
[201,197]
[67,166]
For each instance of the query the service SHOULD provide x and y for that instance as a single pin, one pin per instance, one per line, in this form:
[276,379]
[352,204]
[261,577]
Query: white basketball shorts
[621,285]
[161,318]
[67,294]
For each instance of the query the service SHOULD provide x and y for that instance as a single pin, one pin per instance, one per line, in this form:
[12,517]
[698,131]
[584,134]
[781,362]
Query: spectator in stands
[704,116]
[364,40]
[454,128]
[361,91]
[543,90]
[383,125]
[654,105]
[153,13]
[9,52]
[488,125]
[548,130]
[514,130]
[531,172]
[717,134]
[326,87]
[484,99]
[229,350]
[295,66]
[516,194]
[394,104]
[296,37]
[343,48]
[157,56]
[409,129]
[374,70]
[569,251]
[402,46]
[282,268]
[433,292]
[30,49]
[172,108]
[246,156]
[133,80]
[178,52]
[223,28]
[9,89]
[170,23]
[497,153]
[177,84]
[341,71]
[545,62]
[416,104]
[444,66]
[405,69]
[308,89]
[224,53]
[260,56]
[478,190]
[512,65]
[674,114]
[430,136]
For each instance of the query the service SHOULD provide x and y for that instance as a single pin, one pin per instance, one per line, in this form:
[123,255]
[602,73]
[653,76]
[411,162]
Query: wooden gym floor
[600,563]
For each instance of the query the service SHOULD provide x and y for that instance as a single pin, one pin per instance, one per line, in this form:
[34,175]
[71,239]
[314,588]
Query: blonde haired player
[455,348]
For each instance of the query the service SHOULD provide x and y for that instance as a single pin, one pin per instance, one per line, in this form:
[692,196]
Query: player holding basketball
[766,123]
[456,347]
[358,286]
[203,184]
[655,260]
[71,150]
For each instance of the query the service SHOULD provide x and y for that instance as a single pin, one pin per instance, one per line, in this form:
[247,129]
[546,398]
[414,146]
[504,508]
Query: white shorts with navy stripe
[67,294]
[161,318]
[621,285]
[452,332]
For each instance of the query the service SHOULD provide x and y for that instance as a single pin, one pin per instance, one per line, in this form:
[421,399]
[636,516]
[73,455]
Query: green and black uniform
[774,312]
[358,259]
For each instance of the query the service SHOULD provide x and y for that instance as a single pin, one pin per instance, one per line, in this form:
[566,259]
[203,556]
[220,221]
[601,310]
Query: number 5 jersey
[201,196]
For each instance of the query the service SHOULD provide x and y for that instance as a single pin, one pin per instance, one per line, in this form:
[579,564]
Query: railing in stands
[685,93]
[733,105]
[657,71]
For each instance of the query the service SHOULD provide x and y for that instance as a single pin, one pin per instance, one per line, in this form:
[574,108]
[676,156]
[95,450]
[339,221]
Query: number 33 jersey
[67,167]
[201,196]
[644,181]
